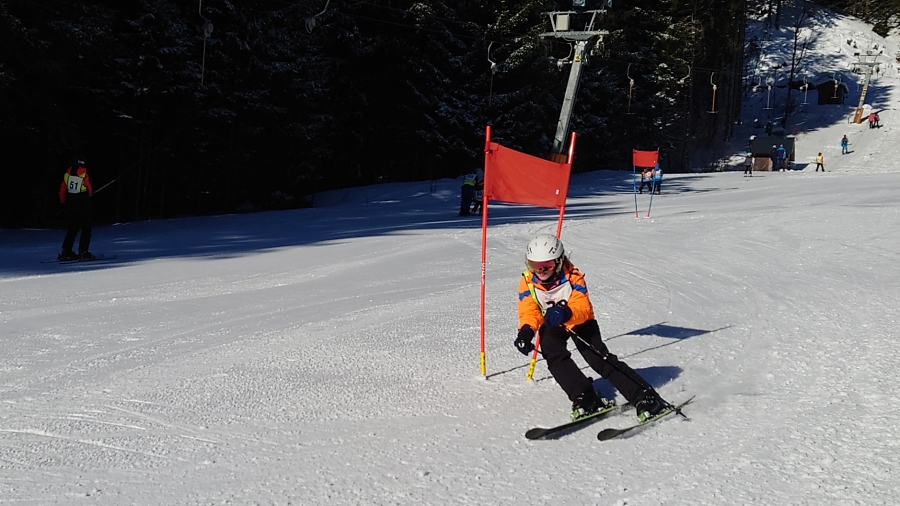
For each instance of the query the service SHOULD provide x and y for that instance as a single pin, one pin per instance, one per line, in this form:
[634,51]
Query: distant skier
[75,194]
[820,162]
[467,193]
[553,299]
[773,155]
[877,121]
[845,145]
[782,157]
[646,180]
[657,180]
[748,164]
[478,197]
[871,120]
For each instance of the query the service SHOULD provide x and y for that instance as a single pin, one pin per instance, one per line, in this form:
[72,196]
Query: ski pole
[634,186]
[605,357]
[534,354]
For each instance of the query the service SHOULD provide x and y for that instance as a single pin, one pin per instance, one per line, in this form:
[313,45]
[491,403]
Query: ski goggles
[544,266]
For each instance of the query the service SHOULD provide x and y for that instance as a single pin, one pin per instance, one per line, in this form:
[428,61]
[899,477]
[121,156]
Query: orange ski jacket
[535,298]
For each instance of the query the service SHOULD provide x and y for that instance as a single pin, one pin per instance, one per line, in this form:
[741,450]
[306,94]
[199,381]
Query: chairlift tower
[868,61]
[562,23]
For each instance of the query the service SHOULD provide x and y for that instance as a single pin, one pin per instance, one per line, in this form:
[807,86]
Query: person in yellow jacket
[554,300]
[467,193]
[820,162]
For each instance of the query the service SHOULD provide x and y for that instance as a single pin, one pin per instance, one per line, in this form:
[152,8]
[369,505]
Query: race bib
[75,184]
[553,297]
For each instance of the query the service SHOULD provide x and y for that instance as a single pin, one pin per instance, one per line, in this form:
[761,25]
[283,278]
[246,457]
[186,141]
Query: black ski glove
[523,340]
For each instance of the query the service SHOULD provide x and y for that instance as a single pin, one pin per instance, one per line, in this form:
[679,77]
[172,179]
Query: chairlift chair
[630,87]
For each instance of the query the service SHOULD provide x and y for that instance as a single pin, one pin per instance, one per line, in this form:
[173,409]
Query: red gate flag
[645,158]
[512,176]
[642,159]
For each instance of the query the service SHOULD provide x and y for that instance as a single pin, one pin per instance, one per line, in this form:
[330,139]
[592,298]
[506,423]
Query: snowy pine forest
[168,101]
[288,99]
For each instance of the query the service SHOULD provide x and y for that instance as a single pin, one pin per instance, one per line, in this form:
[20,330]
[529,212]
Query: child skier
[657,180]
[478,198]
[467,193]
[646,180]
[554,300]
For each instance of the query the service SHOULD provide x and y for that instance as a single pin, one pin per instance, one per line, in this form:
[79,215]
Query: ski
[607,434]
[560,430]
[78,260]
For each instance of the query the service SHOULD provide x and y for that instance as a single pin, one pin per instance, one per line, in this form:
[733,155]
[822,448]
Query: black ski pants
[467,195]
[568,375]
[78,206]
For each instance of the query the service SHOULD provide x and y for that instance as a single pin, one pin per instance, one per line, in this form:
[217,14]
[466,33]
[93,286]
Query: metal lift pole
[868,61]
[565,115]
[560,22]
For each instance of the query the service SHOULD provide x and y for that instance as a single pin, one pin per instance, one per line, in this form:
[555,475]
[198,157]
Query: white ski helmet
[544,247]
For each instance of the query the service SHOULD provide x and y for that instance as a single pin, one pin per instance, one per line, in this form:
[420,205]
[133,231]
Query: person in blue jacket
[782,157]
[845,145]
[657,180]
[773,155]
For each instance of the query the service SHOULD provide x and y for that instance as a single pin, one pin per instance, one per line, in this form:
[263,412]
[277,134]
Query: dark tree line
[367,92]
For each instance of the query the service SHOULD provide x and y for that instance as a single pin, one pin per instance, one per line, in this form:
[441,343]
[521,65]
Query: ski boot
[648,405]
[588,403]
[66,256]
